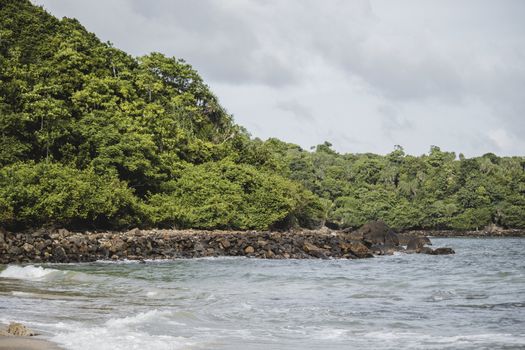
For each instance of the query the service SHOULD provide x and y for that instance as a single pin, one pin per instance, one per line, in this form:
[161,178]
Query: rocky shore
[63,246]
[16,336]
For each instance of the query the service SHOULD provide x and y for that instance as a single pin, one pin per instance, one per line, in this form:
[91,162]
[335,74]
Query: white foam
[143,317]
[124,334]
[331,334]
[29,272]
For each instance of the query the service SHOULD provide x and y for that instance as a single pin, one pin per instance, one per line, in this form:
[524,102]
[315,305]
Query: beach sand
[26,343]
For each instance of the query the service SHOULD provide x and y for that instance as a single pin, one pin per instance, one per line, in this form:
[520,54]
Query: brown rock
[358,249]
[134,232]
[249,250]
[19,330]
[310,247]
[117,245]
[28,248]
[225,243]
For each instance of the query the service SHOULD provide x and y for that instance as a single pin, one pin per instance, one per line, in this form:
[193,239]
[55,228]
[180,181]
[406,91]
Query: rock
[314,250]
[133,232]
[225,243]
[357,248]
[416,243]
[444,251]
[63,232]
[14,250]
[28,248]
[19,330]
[425,250]
[249,250]
[2,235]
[59,255]
[310,247]
[383,249]
[377,232]
[117,245]
[40,233]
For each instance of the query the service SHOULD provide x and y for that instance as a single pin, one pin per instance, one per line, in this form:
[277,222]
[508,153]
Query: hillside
[92,137]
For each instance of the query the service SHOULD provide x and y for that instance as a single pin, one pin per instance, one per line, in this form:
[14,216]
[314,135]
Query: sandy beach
[26,343]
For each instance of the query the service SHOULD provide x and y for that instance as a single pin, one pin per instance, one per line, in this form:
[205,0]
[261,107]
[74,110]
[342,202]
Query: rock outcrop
[18,330]
[63,246]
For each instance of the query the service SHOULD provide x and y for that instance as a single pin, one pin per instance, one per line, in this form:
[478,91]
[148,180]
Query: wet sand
[26,343]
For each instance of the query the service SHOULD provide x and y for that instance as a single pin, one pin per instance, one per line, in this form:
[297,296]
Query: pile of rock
[63,246]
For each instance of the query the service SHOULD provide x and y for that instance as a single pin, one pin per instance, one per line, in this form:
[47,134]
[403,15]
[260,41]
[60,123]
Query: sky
[365,75]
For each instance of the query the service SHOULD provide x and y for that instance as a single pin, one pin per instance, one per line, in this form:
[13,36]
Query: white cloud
[365,75]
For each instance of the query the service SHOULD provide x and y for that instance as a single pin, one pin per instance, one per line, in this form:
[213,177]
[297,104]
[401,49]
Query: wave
[29,272]
[39,273]
[139,331]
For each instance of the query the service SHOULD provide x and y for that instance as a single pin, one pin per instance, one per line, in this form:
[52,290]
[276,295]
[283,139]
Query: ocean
[474,299]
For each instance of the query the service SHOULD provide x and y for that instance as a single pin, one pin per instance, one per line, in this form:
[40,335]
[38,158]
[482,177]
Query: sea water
[474,299]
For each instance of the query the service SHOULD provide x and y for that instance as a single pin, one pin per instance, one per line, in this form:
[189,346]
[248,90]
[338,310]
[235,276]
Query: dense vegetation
[92,137]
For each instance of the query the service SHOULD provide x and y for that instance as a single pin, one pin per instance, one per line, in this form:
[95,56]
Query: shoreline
[27,343]
[63,246]
[36,342]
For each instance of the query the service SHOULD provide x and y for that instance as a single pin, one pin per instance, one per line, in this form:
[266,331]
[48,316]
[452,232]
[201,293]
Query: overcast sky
[364,75]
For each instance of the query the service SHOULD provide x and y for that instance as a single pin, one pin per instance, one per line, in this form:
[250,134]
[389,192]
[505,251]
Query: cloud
[298,110]
[450,72]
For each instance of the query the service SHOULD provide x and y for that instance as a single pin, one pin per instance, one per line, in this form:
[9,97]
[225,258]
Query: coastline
[36,342]
[63,246]
[26,343]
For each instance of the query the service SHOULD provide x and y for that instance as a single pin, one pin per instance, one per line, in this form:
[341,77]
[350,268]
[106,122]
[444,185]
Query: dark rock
[377,232]
[444,251]
[416,243]
[425,250]
[59,255]
[14,250]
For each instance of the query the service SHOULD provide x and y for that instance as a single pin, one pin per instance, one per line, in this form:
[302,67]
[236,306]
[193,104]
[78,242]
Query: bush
[54,194]
[227,195]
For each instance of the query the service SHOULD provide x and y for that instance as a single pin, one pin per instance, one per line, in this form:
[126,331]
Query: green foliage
[90,136]
[49,193]
[228,195]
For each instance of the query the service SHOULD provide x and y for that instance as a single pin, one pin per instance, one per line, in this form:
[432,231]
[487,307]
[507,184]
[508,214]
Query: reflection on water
[474,299]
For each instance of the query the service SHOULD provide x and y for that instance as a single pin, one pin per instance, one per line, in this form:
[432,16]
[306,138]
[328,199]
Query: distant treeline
[92,137]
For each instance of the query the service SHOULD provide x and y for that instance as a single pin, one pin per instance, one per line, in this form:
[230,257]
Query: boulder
[225,243]
[377,232]
[28,248]
[444,251]
[59,255]
[356,248]
[117,245]
[313,250]
[249,250]
[418,242]
[425,250]
[19,330]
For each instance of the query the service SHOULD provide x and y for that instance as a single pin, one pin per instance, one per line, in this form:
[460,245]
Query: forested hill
[94,138]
